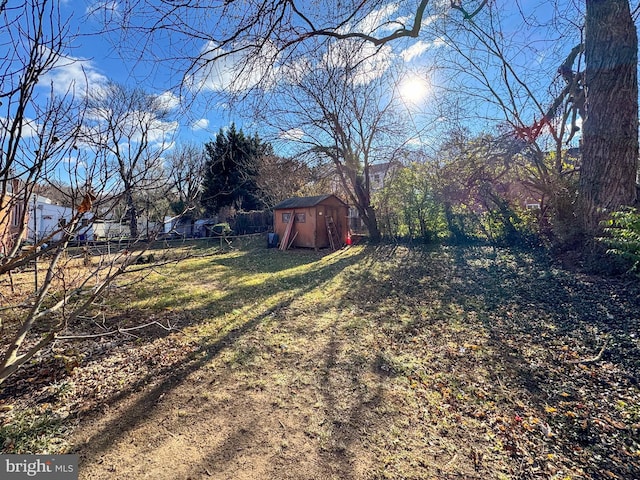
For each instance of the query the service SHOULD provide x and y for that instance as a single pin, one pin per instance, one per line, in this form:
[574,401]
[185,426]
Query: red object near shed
[311,222]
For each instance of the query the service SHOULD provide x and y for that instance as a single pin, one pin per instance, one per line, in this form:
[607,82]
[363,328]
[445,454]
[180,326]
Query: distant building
[381,173]
[11,217]
[47,222]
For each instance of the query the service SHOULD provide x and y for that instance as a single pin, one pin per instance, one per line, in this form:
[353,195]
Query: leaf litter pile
[366,363]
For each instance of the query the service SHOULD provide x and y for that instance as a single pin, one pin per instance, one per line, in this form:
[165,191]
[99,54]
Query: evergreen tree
[232,170]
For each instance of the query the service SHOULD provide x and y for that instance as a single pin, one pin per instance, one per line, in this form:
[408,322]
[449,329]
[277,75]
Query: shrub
[622,238]
[221,229]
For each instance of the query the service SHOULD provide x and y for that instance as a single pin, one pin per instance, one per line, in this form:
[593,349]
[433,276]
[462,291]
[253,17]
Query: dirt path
[257,410]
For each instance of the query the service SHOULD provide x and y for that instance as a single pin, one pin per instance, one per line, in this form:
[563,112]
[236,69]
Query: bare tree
[186,166]
[244,42]
[338,108]
[280,178]
[40,146]
[31,148]
[540,108]
[34,126]
[597,84]
[250,39]
[130,131]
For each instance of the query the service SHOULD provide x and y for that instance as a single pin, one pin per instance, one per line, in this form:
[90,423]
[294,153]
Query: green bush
[221,229]
[622,238]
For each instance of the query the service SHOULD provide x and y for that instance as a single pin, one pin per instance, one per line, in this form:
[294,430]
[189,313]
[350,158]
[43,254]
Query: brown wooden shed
[310,222]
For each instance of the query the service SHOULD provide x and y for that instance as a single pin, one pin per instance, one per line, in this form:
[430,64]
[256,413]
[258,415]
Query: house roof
[303,202]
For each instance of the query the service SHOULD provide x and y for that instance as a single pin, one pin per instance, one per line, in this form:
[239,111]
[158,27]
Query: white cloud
[370,61]
[415,50]
[415,142]
[168,100]
[419,48]
[293,134]
[236,71]
[293,72]
[430,19]
[132,126]
[157,132]
[378,19]
[29,128]
[73,76]
[201,124]
[161,133]
[73,161]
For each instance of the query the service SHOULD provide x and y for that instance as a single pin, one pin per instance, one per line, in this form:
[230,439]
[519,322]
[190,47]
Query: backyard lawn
[385,362]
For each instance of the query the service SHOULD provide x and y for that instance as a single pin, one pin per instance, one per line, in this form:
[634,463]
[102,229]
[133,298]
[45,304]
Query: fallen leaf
[546,429]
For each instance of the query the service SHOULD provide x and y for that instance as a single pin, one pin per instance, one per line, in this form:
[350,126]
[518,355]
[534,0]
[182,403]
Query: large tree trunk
[610,131]
[371,222]
[366,211]
[360,195]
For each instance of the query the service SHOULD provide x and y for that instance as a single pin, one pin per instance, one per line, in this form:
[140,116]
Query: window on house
[15,218]
[301,217]
[286,217]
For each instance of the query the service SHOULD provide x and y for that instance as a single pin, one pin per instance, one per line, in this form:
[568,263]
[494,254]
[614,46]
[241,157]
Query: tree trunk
[367,212]
[133,216]
[610,131]
[371,222]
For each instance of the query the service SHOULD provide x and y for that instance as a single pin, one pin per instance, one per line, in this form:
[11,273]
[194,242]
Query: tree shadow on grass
[269,260]
[165,380]
[509,319]
[488,322]
[348,405]
[347,396]
[159,382]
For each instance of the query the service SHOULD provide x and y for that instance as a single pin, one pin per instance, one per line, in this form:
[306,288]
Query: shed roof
[304,202]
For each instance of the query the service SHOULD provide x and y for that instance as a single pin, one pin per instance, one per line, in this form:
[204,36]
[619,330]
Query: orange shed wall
[313,232]
[278,226]
[339,213]
[305,231]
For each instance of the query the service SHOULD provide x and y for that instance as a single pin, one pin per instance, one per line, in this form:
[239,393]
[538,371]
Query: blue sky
[100,57]
[96,57]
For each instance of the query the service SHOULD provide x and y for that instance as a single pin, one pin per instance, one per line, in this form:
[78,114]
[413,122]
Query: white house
[47,219]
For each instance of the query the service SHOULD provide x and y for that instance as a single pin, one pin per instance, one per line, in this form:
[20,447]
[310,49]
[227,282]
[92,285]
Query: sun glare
[414,89]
